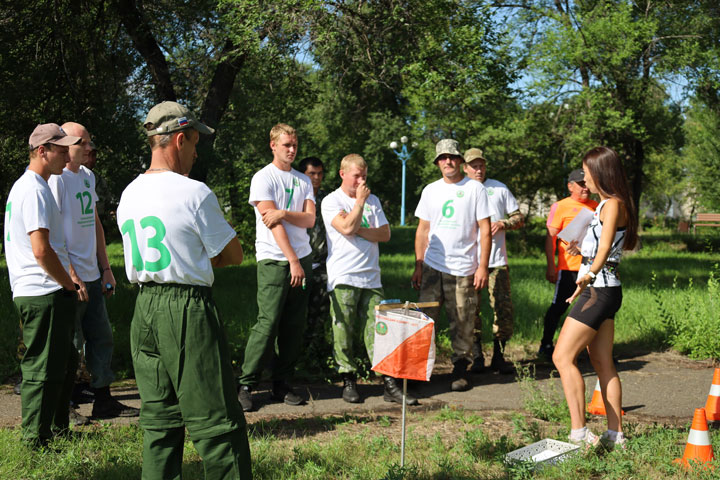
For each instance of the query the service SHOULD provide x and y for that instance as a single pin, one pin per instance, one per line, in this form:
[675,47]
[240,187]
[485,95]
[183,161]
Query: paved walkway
[664,387]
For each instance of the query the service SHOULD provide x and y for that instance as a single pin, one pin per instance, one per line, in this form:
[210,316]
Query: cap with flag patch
[169,117]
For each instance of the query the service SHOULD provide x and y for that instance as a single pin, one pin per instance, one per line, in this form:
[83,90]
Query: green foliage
[543,403]
[691,332]
[702,128]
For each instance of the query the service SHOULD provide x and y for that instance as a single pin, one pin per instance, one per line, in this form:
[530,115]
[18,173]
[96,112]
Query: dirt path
[663,387]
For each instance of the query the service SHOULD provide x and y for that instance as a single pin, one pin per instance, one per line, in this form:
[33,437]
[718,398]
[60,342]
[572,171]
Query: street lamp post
[404,155]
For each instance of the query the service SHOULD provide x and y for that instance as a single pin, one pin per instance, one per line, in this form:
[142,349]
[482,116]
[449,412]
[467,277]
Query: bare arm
[482,273]
[280,235]
[421,244]
[304,219]
[610,216]
[350,223]
[102,258]
[232,254]
[375,234]
[48,259]
[550,244]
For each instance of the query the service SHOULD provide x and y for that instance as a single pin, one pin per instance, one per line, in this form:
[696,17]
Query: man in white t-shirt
[284,209]
[74,192]
[355,224]
[454,218]
[43,292]
[174,233]
[506,216]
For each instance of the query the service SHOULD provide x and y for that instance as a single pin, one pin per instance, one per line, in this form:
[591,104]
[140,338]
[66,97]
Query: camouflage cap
[472,154]
[169,117]
[447,146]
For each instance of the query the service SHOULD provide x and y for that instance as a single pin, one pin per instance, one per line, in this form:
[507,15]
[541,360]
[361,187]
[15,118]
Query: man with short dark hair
[74,192]
[174,233]
[43,292]
[284,209]
[564,275]
[317,347]
[506,216]
[454,217]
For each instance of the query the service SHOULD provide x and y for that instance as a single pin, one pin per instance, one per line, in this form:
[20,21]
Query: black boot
[105,406]
[498,362]
[350,393]
[393,392]
[478,365]
[460,381]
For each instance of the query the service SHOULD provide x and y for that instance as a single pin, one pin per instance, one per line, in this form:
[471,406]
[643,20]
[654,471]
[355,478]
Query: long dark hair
[609,177]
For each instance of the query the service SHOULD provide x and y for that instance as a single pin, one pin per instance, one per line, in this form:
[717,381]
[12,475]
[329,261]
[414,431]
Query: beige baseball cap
[472,154]
[447,146]
[51,133]
[169,117]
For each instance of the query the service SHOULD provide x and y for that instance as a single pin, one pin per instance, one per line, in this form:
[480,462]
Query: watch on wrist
[591,274]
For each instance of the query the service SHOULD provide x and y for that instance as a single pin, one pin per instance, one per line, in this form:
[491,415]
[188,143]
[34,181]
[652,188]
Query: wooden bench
[706,220]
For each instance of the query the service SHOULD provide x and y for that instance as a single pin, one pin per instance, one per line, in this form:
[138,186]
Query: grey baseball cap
[447,146]
[51,133]
[169,117]
[576,176]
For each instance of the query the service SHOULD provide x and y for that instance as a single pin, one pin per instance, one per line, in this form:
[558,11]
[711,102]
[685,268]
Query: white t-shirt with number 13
[453,210]
[171,226]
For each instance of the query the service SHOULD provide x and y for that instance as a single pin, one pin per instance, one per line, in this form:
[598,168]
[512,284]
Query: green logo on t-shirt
[460,194]
[87,183]
[490,191]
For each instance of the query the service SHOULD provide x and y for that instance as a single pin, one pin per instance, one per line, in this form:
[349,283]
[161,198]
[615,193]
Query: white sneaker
[620,442]
[588,442]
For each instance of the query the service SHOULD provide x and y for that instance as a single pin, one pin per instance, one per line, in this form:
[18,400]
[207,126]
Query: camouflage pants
[353,316]
[462,307]
[317,331]
[501,303]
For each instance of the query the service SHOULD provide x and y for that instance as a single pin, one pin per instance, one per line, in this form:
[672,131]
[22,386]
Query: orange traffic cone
[596,405]
[712,406]
[698,448]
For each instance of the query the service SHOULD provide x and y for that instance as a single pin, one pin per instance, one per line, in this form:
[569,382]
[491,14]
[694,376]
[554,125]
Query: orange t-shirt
[561,214]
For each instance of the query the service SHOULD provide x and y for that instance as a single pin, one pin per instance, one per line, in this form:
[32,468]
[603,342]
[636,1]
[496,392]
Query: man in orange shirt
[564,275]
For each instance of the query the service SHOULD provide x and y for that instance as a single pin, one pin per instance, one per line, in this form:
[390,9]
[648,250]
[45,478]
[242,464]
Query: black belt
[610,267]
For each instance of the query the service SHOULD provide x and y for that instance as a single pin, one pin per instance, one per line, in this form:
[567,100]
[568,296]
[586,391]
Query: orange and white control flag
[404,344]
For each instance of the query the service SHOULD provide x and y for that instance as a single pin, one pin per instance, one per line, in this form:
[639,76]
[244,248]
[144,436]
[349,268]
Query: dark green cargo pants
[48,364]
[282,313]
[184,375]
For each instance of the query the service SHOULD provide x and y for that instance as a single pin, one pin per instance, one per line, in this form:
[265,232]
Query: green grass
[666,301]
[449,444]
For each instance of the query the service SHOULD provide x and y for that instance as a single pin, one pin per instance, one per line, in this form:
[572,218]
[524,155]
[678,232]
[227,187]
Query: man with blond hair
[355,224]
[284,209]
[44,295]
[454,219]
[74,192]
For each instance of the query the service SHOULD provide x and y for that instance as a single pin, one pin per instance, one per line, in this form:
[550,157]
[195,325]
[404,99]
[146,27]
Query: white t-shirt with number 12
[171,226]
[453,210]
[76,198]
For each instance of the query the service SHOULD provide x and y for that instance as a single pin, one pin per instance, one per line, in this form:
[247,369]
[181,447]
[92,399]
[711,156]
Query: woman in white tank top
[590,324]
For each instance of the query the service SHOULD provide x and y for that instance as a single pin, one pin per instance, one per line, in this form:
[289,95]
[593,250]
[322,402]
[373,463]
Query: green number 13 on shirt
[152,242]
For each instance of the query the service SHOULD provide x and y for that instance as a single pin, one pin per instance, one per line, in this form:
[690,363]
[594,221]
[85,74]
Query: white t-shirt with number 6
[171,227]
[453,210]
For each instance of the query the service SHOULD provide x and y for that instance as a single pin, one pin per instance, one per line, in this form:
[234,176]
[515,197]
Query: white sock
[578,433]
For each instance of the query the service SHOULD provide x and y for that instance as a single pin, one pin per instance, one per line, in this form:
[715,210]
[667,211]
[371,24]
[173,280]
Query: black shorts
[595,305]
